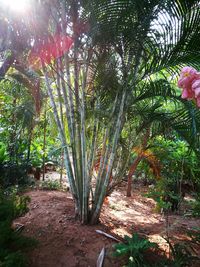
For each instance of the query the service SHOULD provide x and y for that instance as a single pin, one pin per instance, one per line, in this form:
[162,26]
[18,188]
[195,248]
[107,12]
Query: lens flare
[18,6]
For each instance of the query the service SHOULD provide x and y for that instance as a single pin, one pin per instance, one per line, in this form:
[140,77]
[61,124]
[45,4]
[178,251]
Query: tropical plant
[179,171]
[2,152]
[168,116]
[135,248]
[17,123]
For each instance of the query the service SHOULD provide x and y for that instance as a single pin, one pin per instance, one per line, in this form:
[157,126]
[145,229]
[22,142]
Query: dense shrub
[12,243]
[13,174]
[179,172]
[196,206]
[51,185]
[167,194]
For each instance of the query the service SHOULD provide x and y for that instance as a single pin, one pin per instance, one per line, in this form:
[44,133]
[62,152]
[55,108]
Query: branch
[6,65]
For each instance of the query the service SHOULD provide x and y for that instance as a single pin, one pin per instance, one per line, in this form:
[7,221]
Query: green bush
[196,206]
[13,174]
[2,152]
[180,172]
[135,247]
[166,194]
[11,242]
[51,185]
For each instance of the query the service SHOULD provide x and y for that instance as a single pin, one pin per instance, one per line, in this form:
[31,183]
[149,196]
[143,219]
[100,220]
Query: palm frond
[150,89]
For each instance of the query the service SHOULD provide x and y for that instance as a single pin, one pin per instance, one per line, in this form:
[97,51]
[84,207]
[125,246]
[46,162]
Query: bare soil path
[64,242]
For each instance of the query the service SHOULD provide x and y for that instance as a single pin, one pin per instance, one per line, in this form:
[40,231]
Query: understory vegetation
[12,243]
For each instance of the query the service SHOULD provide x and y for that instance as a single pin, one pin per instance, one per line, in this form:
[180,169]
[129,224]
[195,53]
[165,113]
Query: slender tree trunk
[136,162]
[61,167]
[12,145]
[62,137]
[44,142]
[6,65]
[29,145]
[130,174]
[96,212]
[77,137]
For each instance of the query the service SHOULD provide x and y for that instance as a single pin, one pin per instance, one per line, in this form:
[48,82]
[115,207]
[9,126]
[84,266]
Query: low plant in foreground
[134,247]
[137,249]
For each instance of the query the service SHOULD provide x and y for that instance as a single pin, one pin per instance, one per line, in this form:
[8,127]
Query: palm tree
[128,43]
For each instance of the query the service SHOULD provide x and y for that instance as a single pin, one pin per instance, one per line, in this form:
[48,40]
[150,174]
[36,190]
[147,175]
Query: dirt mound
[64,242]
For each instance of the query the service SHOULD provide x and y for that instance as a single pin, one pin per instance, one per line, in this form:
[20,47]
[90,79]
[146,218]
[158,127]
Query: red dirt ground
[64,242]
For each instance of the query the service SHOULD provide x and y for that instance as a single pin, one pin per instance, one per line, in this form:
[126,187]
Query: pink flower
[189,81]
[187,93]
[196,87]
[198,102]
[188,74]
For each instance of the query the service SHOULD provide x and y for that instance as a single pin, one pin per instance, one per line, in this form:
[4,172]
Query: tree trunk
[6,65]
[44,142]
[61,167]
[29,145]
[137,161]
[131,172]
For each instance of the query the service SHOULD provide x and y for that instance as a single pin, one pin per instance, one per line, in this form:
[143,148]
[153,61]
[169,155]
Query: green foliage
[196,206]
[135,248]
[11,242]
[16,119]
[177,159]
[166,194]
[179,171]
[20,205]
[12,205]
[2,152]
[182,254]
[14,174]
[36,153]
[51,185]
